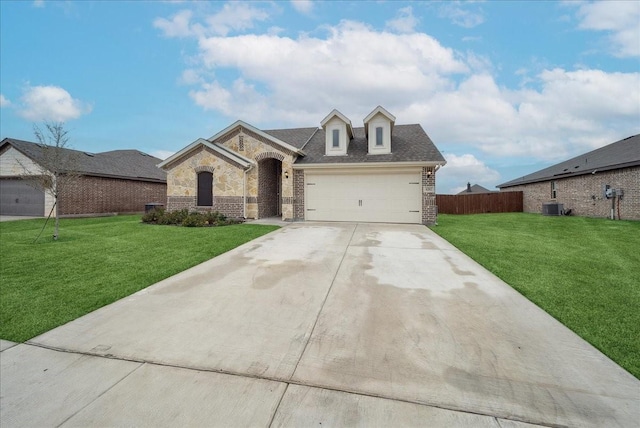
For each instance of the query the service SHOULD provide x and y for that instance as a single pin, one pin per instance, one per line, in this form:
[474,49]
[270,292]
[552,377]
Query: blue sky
[502,88]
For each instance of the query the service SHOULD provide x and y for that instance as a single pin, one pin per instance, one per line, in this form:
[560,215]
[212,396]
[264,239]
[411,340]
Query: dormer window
[378,127]
[379,141]
[338,133]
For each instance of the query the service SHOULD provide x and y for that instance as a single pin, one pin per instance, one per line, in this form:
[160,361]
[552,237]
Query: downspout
[244,191]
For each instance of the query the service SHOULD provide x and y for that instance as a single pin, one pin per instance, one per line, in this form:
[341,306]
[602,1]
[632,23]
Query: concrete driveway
[325,324]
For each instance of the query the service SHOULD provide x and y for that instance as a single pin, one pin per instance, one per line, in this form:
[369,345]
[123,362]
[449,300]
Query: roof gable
[379,110]
[218,148]
[342,117]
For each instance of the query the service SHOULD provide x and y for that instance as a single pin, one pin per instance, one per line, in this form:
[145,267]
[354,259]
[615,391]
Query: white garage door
[380,197]
[17,197]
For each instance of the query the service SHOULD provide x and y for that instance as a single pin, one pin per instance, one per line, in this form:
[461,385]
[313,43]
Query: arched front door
[269,188]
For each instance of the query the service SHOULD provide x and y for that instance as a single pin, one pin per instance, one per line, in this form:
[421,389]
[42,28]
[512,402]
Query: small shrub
[153,215]
[188,219]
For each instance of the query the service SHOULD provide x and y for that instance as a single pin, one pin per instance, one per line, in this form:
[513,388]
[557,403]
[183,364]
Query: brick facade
[429,207]
[298,194]
[583,194]
[99,195]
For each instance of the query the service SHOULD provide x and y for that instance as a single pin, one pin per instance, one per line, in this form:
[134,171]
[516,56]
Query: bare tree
[56,166]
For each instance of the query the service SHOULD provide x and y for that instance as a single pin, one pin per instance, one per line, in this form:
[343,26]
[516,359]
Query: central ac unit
[552,208]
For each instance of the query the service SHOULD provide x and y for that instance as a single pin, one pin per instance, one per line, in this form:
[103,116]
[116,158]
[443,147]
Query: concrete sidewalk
[334,324]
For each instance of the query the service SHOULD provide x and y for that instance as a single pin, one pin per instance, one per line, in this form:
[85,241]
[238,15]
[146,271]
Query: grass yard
[96,261]
[584,272]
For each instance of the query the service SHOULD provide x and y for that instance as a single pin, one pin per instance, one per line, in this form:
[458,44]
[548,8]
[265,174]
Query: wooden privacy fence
[477,203]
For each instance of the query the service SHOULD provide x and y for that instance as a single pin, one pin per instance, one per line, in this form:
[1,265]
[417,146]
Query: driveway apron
[338,318]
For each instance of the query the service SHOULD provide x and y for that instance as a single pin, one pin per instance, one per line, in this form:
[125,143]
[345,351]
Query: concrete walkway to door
[335,324]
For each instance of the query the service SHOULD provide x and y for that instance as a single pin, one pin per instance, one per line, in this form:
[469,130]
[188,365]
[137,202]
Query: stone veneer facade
[583,194]
[229,186]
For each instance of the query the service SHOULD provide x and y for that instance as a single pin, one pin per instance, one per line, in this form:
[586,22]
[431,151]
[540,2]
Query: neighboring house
[476,188]
[117,181]
[381,172]
[589,185]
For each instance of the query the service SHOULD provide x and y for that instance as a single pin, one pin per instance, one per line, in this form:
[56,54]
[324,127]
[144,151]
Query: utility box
[552,208]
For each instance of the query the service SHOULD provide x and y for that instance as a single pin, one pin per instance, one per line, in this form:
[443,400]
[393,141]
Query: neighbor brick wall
[583,194]
[97,195]
[429,208]
[298,194]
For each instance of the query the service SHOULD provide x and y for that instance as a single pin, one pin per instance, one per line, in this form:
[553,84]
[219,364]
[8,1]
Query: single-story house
[118,181]
[594,184]
[381,172]
[475,189]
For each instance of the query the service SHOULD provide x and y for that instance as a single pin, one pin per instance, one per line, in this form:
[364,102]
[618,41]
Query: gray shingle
[296,137]
[131,164]
[409,143]
[621,154]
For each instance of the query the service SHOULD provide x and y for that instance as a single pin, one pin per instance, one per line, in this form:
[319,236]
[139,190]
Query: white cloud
[178,26]
[276,80]
[461,15]
[404,22]
[302,6]
[190,77]
[162,154]
[4,102]
[51,103]
[38,3]
[464,169]
[621,19]
[304,78]
[234,16]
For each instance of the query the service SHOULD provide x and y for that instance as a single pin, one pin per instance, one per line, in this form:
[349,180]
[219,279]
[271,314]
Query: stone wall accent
[429,207]
[229,177]
[584,196]
[98,195]
[258,149]
[298,194]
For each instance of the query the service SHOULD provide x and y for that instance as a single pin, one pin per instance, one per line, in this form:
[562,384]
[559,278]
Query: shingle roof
[476,188]
[409,143]
[131,164]
[296,137]
[621,154]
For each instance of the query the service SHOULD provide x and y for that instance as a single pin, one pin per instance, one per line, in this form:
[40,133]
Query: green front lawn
[584,272]
[96,261]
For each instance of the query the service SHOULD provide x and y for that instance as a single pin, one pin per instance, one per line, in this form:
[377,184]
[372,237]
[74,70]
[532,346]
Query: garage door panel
[369,197]
[17,197]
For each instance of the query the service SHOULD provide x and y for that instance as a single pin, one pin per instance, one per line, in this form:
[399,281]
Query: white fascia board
[381,110]
[236,157]
[215,147]
[368,165]
[340,116]
[257,131]
[181,153]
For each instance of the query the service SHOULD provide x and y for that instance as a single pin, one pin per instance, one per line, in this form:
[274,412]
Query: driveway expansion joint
[278,380]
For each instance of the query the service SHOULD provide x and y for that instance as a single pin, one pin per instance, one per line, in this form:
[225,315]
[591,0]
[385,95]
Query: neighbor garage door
[372,197]
[17,197]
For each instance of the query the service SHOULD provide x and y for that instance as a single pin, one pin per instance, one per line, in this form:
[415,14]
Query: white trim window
[554,189]
[336,138]
[379,136]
